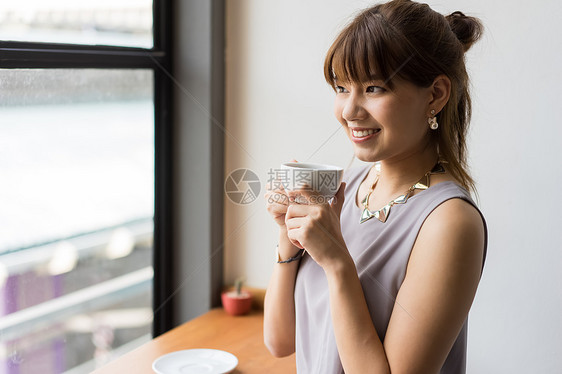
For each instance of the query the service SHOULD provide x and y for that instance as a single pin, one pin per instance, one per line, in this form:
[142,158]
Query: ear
[440,91]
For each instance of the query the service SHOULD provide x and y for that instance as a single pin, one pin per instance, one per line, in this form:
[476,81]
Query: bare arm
[441,280]
[279,304]
[359,346]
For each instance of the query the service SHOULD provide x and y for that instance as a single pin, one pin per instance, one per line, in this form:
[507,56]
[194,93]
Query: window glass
[106,22]
[76,226]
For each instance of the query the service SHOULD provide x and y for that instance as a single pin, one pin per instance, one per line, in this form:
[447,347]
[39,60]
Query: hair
[412,42]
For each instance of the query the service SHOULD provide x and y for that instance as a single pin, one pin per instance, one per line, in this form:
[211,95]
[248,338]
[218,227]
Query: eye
[340,89]
[374,89]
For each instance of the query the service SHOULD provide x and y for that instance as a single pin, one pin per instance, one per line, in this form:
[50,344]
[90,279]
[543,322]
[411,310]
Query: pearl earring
[433,121]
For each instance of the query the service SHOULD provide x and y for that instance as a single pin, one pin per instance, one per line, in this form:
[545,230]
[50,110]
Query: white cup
[323,180]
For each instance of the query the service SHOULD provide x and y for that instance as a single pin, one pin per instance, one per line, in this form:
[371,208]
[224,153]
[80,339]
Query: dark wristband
[296,257]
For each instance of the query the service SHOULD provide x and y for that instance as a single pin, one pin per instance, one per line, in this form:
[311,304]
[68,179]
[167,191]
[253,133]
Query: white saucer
[195,361]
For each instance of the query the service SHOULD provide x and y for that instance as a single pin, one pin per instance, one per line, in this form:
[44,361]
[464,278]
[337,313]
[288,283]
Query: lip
[362,128]
[365,138]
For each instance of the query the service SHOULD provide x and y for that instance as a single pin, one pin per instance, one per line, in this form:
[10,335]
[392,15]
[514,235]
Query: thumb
[337,203]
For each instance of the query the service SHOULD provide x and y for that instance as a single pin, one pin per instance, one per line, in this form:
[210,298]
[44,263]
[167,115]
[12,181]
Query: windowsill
[242,336]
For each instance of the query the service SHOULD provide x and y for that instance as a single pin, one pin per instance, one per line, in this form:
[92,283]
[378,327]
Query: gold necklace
[382,214]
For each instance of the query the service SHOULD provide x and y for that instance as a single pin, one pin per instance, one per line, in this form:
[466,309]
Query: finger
[277,210]
[295,210]
[277,198]
[298,199]
[308,196]
[297,244]
[276,188]
[292,235]
[339,198]
[294,223]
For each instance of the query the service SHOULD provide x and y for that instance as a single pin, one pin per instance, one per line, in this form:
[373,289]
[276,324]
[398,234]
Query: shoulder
[453,233]
[455,215]
[451,210]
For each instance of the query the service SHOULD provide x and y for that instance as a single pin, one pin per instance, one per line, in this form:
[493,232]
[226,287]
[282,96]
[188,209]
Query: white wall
[279,107]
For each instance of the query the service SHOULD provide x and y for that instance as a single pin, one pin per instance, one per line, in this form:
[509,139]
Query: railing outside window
[84,135]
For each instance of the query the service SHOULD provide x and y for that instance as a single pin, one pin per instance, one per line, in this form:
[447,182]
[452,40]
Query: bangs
[364,51]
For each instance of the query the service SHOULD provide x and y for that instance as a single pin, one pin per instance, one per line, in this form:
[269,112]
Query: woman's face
[397,118]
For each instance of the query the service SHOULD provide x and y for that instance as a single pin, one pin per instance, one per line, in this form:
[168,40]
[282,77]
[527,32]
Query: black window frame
[35,55]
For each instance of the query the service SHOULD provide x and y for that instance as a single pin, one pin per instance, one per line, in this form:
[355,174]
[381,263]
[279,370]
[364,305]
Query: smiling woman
[279,108]
[389,50]
[390,294]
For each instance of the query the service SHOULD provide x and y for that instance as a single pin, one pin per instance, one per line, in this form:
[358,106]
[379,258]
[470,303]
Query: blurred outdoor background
[76,192]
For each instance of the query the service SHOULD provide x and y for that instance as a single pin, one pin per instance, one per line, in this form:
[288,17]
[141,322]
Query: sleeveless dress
[381,252]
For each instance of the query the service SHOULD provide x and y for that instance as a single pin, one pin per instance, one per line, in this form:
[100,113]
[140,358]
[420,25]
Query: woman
[392,265]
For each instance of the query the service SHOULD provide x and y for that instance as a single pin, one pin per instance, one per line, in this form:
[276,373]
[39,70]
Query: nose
[353,109]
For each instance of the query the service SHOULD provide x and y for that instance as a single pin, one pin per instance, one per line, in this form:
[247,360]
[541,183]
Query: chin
[366,157]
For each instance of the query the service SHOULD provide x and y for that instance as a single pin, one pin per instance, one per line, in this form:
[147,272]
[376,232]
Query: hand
[277,202]
[316,227]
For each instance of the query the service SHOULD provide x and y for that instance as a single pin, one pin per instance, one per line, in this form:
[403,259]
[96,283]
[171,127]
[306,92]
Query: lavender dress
[381,252]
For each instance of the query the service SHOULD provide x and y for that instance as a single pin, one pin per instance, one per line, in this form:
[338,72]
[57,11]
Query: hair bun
[467,29]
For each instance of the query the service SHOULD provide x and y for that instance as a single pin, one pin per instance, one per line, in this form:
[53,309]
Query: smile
[363,135]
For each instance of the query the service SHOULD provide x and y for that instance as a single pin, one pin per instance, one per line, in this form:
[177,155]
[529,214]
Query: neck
[399,174]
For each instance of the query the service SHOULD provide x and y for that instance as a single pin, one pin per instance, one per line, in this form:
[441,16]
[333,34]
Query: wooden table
[242,336]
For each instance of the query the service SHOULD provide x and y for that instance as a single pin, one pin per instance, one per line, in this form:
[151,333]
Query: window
[103,22]
[85,158]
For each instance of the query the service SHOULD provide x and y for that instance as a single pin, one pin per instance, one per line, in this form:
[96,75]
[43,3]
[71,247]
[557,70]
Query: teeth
[360,134]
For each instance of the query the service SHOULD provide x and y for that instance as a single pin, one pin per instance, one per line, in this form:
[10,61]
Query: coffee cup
[320,179]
